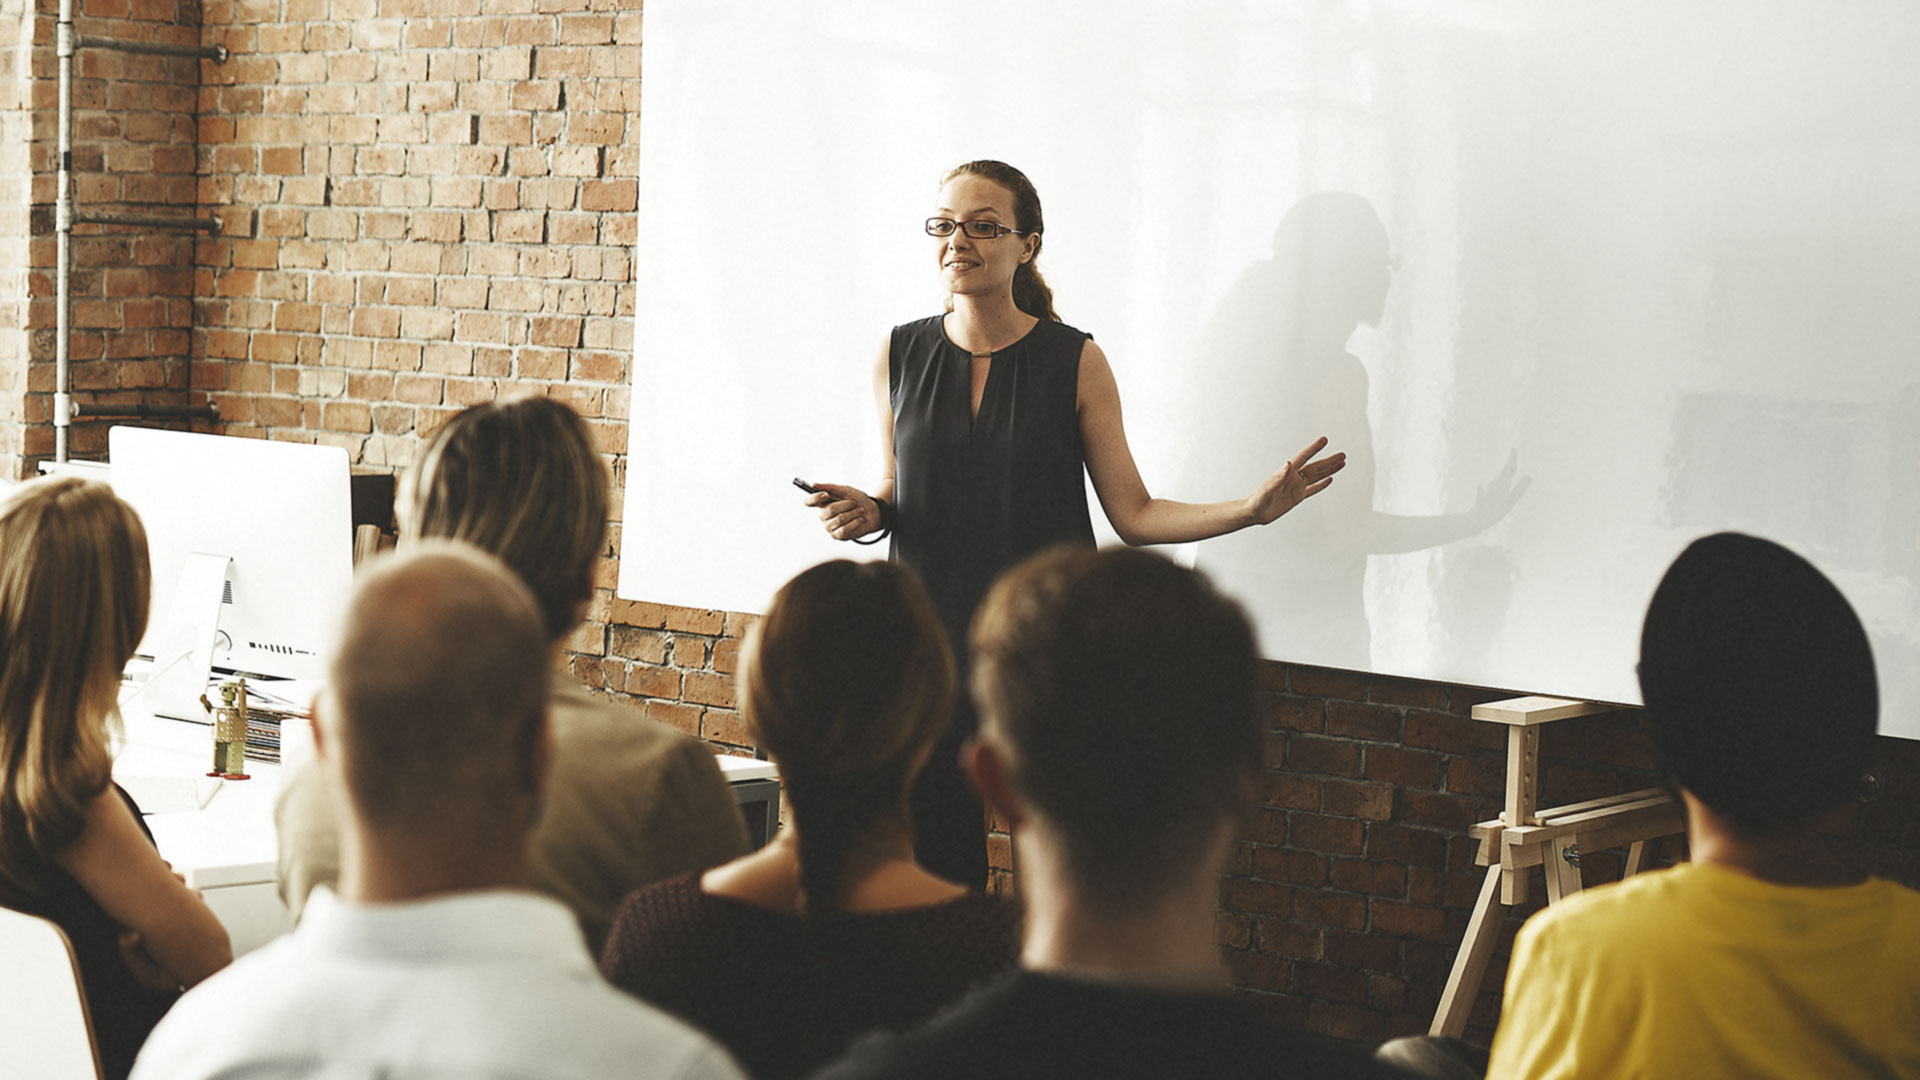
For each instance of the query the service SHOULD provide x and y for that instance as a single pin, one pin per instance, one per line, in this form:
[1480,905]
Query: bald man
[435,957]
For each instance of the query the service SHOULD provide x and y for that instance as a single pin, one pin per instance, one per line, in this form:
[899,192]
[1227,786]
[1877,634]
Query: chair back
[45,1031]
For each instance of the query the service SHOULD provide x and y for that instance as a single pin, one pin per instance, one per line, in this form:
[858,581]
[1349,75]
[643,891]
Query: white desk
[229,850]
[226,850]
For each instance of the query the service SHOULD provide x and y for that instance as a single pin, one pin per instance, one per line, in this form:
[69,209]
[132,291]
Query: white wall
[1658,259]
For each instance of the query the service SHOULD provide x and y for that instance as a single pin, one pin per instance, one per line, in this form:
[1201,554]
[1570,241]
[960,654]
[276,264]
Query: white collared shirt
[493,984]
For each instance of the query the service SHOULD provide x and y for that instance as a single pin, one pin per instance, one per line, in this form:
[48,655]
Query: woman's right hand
[847,512]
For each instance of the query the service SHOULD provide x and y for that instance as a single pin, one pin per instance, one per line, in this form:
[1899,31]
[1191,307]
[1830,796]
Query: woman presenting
[988,416]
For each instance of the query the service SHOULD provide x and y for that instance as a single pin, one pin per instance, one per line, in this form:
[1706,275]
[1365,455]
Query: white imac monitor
[251,544]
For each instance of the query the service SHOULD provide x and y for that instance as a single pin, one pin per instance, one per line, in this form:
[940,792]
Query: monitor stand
[183,643]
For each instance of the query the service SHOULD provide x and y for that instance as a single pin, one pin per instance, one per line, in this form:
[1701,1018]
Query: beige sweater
[629,802]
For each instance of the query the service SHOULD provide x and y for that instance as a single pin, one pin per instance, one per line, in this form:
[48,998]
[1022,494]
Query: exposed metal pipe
[208,411]
[63,45]
[215,53]
[150,221]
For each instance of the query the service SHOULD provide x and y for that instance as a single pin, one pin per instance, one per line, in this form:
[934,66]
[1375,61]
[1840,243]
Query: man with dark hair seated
[1765,956]
[1119,736]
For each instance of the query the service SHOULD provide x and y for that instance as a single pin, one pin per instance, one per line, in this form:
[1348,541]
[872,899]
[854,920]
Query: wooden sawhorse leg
[1470,964]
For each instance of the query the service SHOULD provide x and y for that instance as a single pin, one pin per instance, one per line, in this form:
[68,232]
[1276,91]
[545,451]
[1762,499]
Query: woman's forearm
[1167,521]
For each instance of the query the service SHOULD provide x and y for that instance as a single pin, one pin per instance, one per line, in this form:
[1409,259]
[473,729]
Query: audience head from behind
[847,683]
[631,801]
[1759,684]
[1761,698]
[1119,739]
[73,605]
[1116,691]
[520,479]
[434,723]
[437,956]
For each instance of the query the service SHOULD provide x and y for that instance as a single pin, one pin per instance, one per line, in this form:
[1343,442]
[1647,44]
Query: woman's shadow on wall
[1274,372]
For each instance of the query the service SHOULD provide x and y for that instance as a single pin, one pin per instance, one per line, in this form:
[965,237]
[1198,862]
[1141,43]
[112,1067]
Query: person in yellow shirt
[1765,956]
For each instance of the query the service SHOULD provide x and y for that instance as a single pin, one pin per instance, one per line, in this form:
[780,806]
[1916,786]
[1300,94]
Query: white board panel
[1572,284]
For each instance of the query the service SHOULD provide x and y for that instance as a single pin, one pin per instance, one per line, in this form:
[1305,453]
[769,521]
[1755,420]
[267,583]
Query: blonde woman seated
[846,684]
[73,604]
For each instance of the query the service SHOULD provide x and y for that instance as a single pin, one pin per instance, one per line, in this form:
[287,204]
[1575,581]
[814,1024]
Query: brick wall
[429,203]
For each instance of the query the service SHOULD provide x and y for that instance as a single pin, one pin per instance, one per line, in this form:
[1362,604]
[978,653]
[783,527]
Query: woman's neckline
[948,338]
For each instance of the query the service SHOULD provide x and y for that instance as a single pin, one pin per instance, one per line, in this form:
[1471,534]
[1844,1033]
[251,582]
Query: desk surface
[229,842]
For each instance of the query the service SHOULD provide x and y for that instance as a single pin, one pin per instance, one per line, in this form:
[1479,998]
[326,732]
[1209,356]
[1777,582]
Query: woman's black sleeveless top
[972,497]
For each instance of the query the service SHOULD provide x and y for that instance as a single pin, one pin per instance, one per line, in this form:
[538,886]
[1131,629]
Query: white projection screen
[1572,283]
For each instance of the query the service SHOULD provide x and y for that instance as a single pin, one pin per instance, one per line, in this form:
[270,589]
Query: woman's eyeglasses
[978,230]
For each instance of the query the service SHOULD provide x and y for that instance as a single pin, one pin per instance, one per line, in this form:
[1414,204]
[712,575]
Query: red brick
[648,646]
[1327,983]
[1406,921]
[610,195]
[1370,877]
[1306,753]
[1372,801]
[1255,897]
[639,613]
[1453,734]
[1386,992]
[1444,811]
[1284,937]
[1289,713]
[348,416]
[1330,909]
[1253,969]
[1334,836]
[1289,867]
[645,680]
[694,621]
[1290,791]
[725,726]
[1364,952]
[1374,722]
[1264,826]
[707,689]
[1408,768]
[1232,930]
[1398,843]
[1482,775]
[1328,683]
[682,718]
[1408,692]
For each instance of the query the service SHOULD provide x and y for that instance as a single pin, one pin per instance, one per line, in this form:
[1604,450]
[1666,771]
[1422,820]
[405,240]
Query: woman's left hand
[1306,475]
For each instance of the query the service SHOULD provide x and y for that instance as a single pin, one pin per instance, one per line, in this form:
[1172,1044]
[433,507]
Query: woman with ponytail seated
[846,684]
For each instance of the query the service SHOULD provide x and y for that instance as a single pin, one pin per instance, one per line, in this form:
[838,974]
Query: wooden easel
[1524,836]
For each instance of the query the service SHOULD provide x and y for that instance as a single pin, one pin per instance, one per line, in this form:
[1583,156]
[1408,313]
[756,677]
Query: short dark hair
[521,480]
[1122,686]
[1759,683]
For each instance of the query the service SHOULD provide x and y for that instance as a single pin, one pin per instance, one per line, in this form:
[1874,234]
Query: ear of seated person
[1765,956]
[435,957]
[831,931]
[1119,737]
[632,802]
